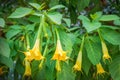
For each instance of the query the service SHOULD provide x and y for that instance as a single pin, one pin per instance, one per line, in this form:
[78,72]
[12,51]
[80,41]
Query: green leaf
[110,27]
[114,68]
[34,19]
[2,22]
[67,21]
[117,22]
[109,17]
[4,48]
[35,5]
[36,14]
[96,16]
[38,74]
[66,73]
[7,61]
[11,33]
[82,4]
[86,64]
[57,7]
[83,18]
[15,27]
[30,27]
[55,17]
[67,40]
[89,26]
[20,12]
[93,51]
[111,36]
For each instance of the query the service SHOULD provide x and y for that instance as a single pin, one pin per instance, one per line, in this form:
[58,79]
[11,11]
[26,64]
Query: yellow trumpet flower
[29,56]
[59,53]
[106,55]
[100,69]
[58,68]
[36,51]
[78,64]
[27,68]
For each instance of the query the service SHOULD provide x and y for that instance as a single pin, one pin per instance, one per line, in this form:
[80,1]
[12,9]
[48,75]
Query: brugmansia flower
[59,53]
[105,52]
[100,69]
[29,56]
[27,68]
[36,50]
[58,68]
[78,63]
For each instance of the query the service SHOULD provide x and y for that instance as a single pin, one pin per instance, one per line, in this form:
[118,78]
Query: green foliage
[111,36]
[114,68]
[93,52]
[4,48]
[48,35]
[109,17]
[2,22]
[66,73]
[20,12]
[55,17]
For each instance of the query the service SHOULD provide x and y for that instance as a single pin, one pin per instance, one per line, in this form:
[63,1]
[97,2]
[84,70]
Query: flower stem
[100,35]
[81,47]
[44,54]
[40,27]
[57,34]
[27,42]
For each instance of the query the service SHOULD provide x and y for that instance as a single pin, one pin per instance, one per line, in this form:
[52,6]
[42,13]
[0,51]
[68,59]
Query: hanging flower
[29,56]
[106,55]
[78,64]
[36,52]
[100,69]
[58,68]
[27,68]
[59,53]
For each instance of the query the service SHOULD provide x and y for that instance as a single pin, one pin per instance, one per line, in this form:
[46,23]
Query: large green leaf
[4,48]
[2,22]
[117,22]
[67,21]
[34,19]
[57,7]
[83,18]
[114,68]
[109,17]
[11,33]
[89,26]
[93,51]
[20,12]
[38,74]
[55,17]
[7,61]
[86,64]
[66,73]
[111,36]
[67,40]
[35,5]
